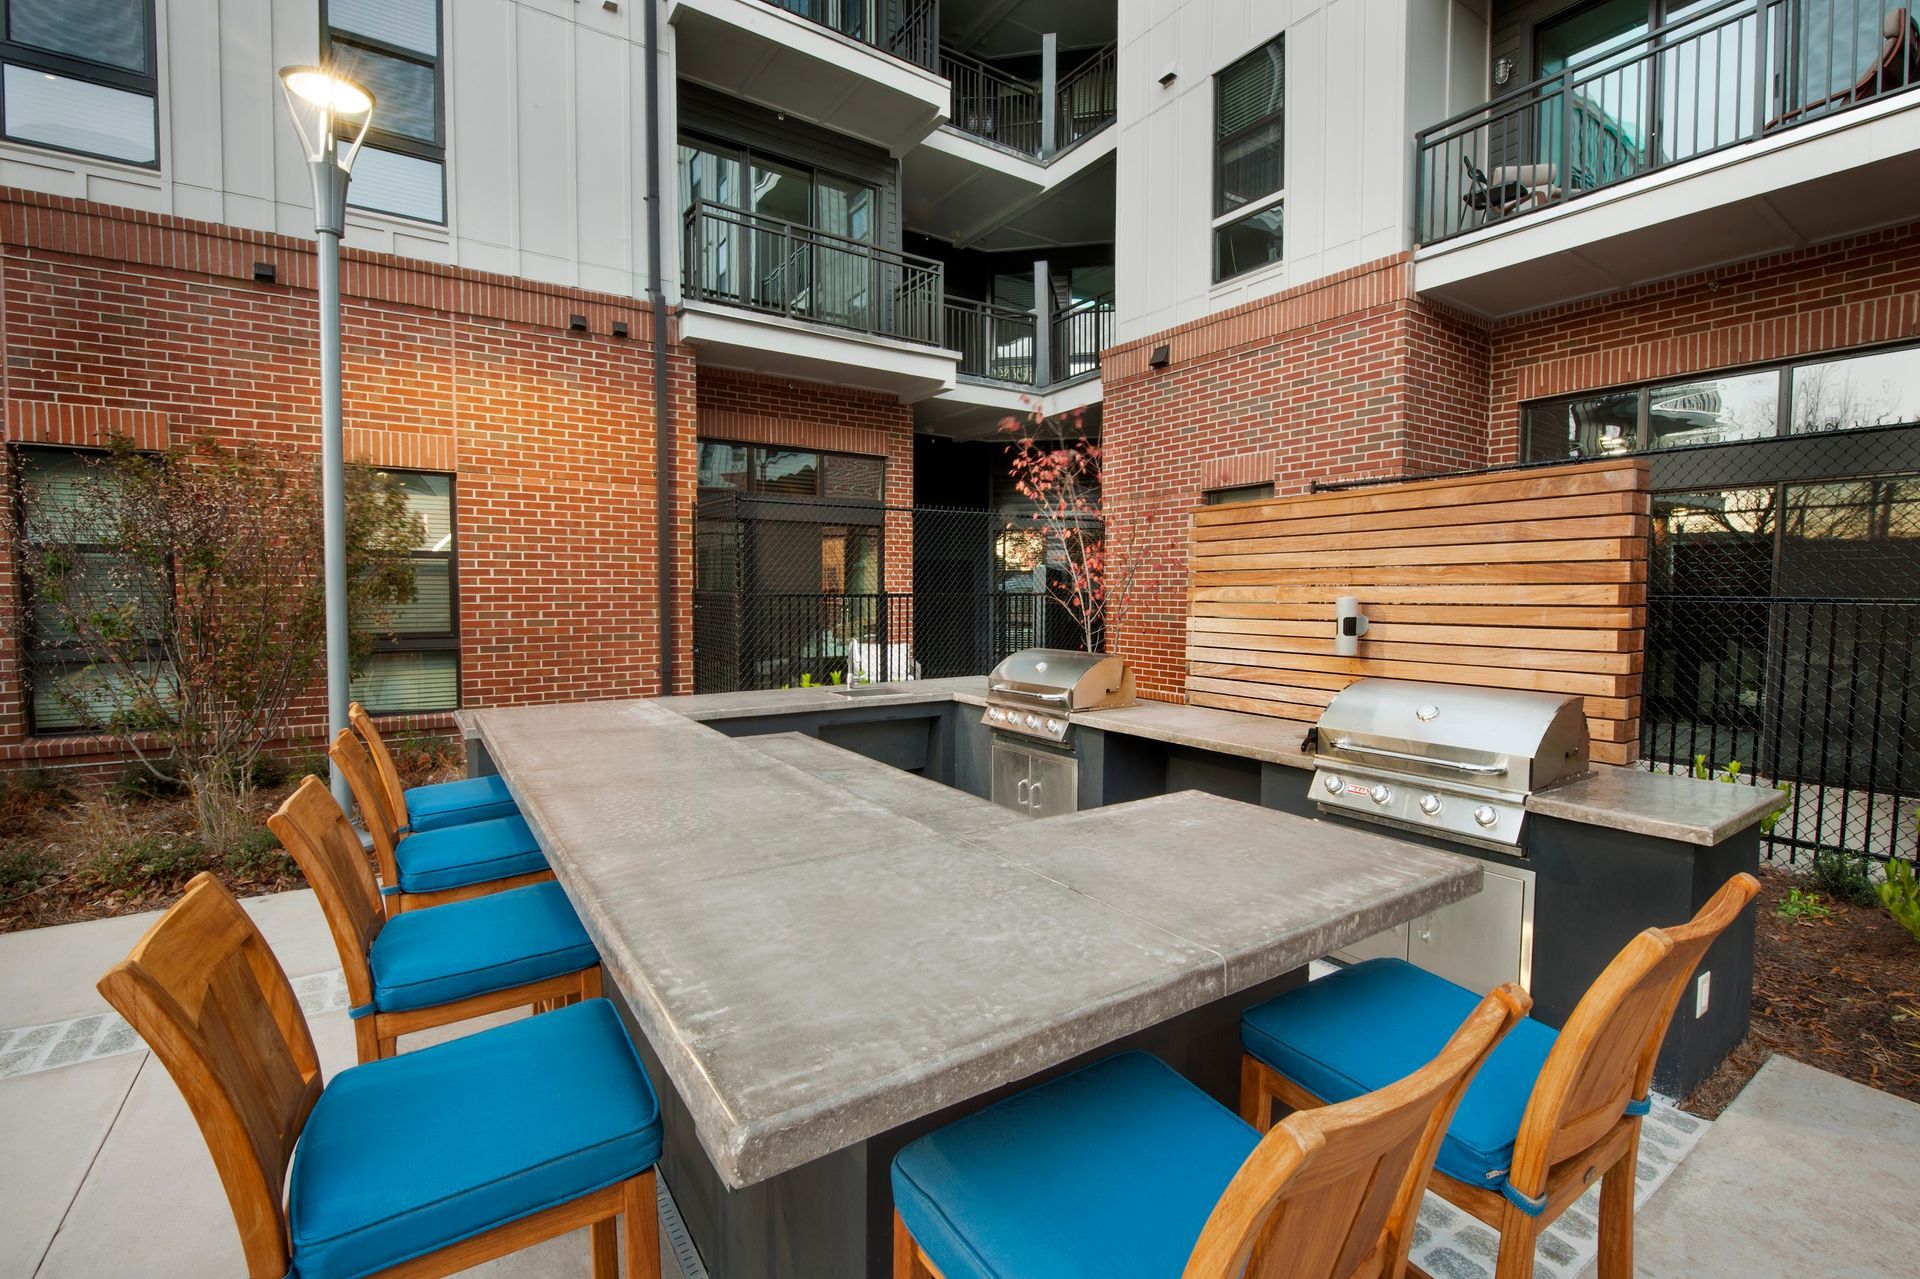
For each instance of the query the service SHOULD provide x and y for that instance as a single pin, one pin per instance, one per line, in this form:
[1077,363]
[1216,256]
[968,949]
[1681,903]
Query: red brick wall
[1847,294]
[119,321]
[1346,377]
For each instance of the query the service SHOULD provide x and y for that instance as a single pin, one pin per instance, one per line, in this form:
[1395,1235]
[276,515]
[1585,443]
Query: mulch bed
[1841,993]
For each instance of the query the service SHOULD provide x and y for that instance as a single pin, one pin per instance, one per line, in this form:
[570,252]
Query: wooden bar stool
[411,1168]
[424,808]
[1124,1169]
[1550,1113]
[450,864]
[432,967]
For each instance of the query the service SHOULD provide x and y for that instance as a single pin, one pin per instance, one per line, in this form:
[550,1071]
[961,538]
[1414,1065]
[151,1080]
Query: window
[1250,172]
[393,48]
[78,75]
[66,693]
[415,663]
[1238,493]
[1853,392]
[777,472]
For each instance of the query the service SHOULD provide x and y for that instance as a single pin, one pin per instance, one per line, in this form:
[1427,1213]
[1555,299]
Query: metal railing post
[1049,94]
[1042,324]
[1566,133]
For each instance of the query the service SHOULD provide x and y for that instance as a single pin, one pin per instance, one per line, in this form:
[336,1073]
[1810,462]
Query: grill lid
[1497,738]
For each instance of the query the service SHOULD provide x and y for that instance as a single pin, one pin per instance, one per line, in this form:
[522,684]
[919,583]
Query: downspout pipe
[662,396]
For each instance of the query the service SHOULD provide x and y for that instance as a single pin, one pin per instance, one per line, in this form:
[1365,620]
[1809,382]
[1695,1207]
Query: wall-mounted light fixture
[1502,70]
[578,323]
[266,272]
[620,329]
[1161,357]
[1169,74]
[1349,625]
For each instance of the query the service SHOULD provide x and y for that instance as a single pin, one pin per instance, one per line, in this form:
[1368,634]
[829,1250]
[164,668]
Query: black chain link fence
[793,592]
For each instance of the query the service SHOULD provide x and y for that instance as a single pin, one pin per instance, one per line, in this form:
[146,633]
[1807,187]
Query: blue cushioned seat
[456,856]
[404,1156]
[1106,1173]
[471,799]
[1364,1027]
[435,956]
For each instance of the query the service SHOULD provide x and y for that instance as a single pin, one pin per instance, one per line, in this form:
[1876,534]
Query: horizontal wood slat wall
[1520,580]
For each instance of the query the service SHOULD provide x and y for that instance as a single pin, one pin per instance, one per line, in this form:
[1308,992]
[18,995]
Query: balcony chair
[424,808]
[436,966]
[1551,1113]
[1897,67]
[1124,1168]
[432,868]
[415,1167]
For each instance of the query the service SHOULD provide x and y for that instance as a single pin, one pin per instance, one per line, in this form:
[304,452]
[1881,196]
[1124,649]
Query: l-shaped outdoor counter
[825,955]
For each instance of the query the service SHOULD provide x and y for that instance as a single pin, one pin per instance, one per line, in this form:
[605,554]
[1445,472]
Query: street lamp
[331,114]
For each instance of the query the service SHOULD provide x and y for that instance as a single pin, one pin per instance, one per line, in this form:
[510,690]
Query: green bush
[1799,905]
[258,855]
[158,780]
[148,861]
[1844,876]
[23,867]
[1901,895]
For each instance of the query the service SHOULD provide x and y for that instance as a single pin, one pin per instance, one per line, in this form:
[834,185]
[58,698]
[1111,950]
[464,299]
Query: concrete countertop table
[815,971]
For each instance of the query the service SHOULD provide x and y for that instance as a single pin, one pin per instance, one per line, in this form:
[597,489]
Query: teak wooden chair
[1582,1119]
[430,807]
[502,851]
[1328,1194]
[208,996]
[509,950]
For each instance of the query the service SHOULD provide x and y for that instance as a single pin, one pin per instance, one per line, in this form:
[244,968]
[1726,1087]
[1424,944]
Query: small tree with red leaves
[1057,469]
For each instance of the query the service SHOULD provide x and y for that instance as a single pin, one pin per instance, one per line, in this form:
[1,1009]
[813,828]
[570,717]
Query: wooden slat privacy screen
[1531,580]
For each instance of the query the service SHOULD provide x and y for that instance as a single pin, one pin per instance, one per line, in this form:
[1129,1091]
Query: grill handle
[1478,770]
[1062,698]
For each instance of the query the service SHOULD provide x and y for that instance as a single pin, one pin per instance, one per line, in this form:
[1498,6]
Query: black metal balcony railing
[998,342]
[994,342]
[996,107]
[1729,74]
[768,264]
[912,36]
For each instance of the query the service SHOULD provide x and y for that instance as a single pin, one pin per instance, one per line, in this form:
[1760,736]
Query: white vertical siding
[546,142]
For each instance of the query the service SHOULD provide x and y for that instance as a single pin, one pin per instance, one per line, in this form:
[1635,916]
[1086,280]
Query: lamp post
[331,114]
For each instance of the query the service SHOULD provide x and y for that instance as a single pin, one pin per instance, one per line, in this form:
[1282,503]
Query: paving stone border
[27,1050]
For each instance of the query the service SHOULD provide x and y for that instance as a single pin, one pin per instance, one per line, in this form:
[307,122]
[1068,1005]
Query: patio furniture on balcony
[1125,1167]
[420,1165]
[1553,1111]
[424,808]
[431,868]
[425,968]
[770,265]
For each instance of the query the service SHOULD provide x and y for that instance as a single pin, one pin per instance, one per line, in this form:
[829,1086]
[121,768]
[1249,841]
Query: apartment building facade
[885,226]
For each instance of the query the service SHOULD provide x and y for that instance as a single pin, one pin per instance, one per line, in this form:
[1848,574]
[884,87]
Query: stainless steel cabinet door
[1482,941]
[1053,785]
[1010,781]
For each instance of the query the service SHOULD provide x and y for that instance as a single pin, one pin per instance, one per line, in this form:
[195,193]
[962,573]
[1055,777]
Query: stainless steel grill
[1036,691]
[1454,761]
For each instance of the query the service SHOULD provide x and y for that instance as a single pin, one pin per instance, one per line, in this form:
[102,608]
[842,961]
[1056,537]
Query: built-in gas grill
[1454,761]
[1037,691]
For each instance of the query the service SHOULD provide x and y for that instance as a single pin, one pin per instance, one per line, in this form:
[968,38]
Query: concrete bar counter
[824,956]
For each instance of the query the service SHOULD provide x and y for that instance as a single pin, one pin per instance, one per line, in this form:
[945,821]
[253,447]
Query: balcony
[1750,127]
[1007,369]
[853,312]
[1021,115]
[831,62]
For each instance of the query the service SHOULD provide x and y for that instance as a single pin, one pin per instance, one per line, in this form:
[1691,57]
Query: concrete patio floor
[105,1171]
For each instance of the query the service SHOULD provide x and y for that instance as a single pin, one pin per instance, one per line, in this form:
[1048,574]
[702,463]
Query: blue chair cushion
[456,856]
[435,956]
[1364,1027]
[471,799]
[1108,1172]
[404,1156]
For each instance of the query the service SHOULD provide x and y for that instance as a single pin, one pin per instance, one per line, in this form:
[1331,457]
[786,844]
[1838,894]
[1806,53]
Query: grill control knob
[997,714]
[1485,815]
[1381,793]
[1332,784]
[1033,721]
[1430,805]
[1054,726]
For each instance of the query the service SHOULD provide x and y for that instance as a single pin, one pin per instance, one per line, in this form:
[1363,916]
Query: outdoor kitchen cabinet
[1478,943]
[1041,782]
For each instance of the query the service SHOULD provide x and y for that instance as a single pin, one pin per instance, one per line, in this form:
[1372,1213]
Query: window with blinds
[79,75]
[415,663]
[393,47]
[1250,100]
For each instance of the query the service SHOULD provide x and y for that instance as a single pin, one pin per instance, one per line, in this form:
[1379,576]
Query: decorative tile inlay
[26,1050]
[1449,1244]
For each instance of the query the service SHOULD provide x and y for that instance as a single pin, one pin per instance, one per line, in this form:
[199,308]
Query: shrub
[1901,895]
[258,855]
[1844,876]
[1799,905]
[23,868]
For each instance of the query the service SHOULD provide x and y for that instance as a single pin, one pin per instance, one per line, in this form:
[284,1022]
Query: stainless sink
[867,690]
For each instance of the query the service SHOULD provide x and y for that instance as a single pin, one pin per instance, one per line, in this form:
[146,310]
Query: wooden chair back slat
[388,771]
[1332,1193]
[322,840]
[349,755]
[208,996]
[1604,1055]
